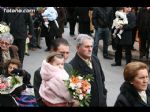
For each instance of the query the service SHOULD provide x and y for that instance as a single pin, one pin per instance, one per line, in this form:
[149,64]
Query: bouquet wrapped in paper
[80,88]
[9,84]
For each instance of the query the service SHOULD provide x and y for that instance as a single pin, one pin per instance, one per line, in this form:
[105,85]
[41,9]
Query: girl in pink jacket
[53,91]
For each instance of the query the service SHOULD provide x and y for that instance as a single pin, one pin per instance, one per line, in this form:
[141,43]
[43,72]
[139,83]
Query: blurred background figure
[143,21]
[19,23]
[134,31]
[82,14]
[72,19]
[91,23]
[102,21]
[126,40]
[51,25]
[62,18]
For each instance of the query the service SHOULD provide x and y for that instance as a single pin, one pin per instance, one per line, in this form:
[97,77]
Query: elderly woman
[135,91]
[7,51]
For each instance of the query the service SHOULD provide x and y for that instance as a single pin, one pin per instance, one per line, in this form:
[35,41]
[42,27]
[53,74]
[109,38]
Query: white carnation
[88,91]
[72,85]
[80,77]
[80,96]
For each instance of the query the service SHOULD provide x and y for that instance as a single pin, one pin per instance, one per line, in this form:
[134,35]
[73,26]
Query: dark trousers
[48,42]
[60,30]
[133,36]
[72,24]
[20,43]
[38,36]
[145,42]
[52,33]
[118,53]
[84,28]
[32,43]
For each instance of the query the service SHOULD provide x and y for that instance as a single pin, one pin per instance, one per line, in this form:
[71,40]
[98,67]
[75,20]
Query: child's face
[58,62]
[11,67]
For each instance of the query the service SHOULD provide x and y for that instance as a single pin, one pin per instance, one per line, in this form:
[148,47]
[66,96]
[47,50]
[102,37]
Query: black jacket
[83,14]
[129,97]
[102,17]
[98,90]
[83,19]
[71,13]
[143,22]
[143,19]
[18,24]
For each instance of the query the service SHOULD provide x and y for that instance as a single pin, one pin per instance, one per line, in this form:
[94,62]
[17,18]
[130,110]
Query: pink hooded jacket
[52,88]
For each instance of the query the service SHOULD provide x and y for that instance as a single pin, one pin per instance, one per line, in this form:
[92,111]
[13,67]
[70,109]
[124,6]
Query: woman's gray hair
[7,37]
[82,37]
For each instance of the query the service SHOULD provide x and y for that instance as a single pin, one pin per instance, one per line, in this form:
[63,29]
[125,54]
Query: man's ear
[77,47]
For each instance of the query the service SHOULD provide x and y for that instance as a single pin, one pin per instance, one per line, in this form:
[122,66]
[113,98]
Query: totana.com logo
[19,10]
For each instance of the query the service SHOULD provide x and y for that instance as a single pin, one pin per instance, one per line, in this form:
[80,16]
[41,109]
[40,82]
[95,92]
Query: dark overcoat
[18,23]
[84,19]
[129,97]
[98,90]
[61,19]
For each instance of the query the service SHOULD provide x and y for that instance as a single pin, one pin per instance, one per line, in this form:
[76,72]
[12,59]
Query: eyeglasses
[4,43]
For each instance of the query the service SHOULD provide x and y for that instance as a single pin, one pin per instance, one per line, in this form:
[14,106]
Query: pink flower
[3,86]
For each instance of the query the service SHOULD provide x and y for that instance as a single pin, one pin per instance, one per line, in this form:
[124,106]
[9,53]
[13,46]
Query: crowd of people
[114,25]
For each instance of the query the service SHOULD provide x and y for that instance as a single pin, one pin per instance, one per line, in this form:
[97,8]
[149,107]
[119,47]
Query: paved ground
[113,75]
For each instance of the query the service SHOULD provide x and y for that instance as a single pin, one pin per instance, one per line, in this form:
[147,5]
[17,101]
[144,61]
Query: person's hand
[75,103]
[30,36]
[39,28]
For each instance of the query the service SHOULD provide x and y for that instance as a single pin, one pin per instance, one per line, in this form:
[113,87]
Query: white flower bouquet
[9,84]
[80,88]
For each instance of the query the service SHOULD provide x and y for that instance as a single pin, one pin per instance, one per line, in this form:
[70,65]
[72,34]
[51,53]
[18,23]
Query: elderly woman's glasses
[4,43]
